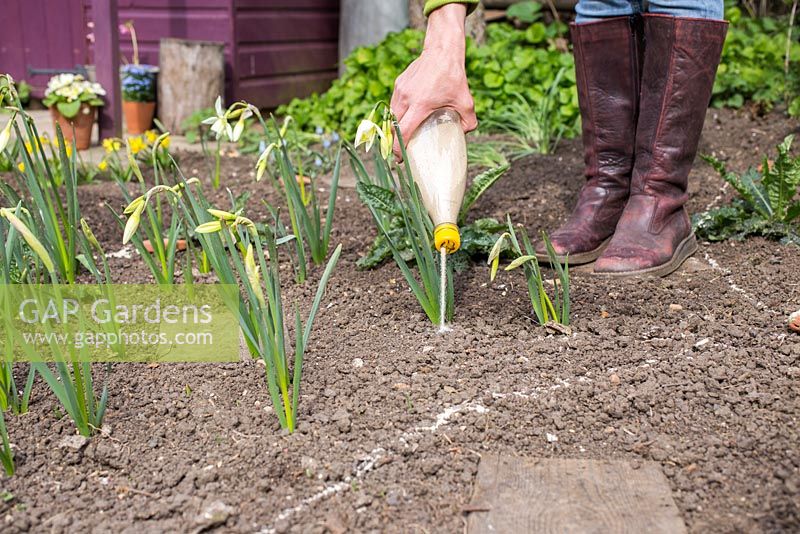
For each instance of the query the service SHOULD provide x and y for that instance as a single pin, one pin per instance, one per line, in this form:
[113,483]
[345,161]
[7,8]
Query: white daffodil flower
[239,128]
[5,134]
[219,122]
[366,133]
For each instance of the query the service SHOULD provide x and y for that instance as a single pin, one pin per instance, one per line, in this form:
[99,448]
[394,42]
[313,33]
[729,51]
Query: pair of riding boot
[644,84]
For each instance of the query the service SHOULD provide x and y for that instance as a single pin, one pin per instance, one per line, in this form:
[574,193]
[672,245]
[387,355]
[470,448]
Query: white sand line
[368,462]
[727,274]
[717,198]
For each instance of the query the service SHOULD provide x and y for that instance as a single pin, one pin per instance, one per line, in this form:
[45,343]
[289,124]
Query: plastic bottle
[437,154]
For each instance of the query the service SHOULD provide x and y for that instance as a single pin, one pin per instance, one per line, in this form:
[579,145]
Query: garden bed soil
[696,371]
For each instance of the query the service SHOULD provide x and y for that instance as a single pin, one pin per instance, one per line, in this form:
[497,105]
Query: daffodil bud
[209,227]
[133,223]
[219,214]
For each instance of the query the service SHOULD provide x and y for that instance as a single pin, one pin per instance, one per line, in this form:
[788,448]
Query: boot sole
[685,250]
[581,258]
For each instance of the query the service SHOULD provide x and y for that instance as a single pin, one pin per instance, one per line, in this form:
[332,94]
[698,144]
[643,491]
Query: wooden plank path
[526,495]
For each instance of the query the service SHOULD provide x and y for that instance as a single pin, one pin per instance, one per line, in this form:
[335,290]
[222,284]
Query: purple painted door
[41,34]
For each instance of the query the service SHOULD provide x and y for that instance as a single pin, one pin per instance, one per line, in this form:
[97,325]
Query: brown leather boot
[608,58]
[654,235]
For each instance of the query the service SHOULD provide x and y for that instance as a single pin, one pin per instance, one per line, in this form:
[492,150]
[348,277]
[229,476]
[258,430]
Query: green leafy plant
[525,12]
[47,242]
[767,205]
[533,128]
[546,309]
[494,75]
[753,62]
[485,154]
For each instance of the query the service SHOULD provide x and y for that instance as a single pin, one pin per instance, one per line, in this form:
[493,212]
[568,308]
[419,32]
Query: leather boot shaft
[608,66]
[608,63]
[678,77]
[654,234]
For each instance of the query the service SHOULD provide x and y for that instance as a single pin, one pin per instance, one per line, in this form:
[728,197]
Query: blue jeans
[592,10]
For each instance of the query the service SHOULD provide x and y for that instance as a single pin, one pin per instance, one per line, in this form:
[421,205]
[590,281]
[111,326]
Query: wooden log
[517,495]
[192,75]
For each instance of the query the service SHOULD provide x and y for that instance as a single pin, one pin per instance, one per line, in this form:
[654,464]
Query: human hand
[436,79]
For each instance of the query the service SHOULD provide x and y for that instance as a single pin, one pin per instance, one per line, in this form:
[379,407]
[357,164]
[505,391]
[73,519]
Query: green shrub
[494,76]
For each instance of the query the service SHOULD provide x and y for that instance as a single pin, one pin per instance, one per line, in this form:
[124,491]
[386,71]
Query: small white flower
[5,134]
[219,123]
[366,133]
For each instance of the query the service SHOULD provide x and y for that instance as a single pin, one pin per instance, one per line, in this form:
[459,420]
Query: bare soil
[696,371]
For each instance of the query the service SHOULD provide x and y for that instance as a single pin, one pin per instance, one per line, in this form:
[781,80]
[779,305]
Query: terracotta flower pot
[138,116]
[82,122]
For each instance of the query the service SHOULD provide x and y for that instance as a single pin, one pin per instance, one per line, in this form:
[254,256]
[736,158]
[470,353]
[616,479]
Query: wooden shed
[274,49]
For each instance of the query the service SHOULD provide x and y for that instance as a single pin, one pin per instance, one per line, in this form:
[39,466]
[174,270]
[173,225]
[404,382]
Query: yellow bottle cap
[446,235]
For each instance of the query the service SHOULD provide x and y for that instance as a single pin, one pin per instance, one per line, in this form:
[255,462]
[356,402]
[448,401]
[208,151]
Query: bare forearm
[445,31]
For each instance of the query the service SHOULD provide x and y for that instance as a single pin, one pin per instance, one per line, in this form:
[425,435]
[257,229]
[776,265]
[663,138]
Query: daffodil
[21,166]
[151,136]
[387,140]
[252,271]
[165,142]
[366,133]
[5,134]
[239,128]
[133,223]
[136,144]
[261,164]
[103,165]
[209,227]
[219,122]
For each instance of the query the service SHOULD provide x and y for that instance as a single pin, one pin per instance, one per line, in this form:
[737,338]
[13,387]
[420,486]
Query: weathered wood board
[526,495]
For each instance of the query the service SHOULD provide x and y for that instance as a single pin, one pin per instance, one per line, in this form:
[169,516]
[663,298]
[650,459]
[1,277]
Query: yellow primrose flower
[151,136]
[136,144]
[21,166]
[103,165]
[111,145]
